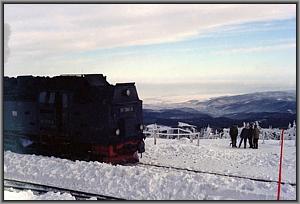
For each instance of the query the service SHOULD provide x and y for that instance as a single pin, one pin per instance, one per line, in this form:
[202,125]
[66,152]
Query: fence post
[295,131]
[198,141]
[280,165]
[155,130]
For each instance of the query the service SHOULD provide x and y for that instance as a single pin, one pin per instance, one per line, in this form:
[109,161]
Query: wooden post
[280,165]
[198,141]
[294,126]
[155,130]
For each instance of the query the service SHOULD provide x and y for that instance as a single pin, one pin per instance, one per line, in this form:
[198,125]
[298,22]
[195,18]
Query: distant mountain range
[276,108]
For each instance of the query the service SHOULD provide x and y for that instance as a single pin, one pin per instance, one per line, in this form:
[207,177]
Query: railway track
[40,189]
[214,173]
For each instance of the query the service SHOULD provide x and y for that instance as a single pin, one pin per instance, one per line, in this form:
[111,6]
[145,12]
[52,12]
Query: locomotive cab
[127,110]
[127,121]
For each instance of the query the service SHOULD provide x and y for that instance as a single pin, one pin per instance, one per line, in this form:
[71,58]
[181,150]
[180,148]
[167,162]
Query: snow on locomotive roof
[62,75]
[93,79]
[84,75]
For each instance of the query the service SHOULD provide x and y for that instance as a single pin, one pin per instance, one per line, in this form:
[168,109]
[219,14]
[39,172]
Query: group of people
[250,133]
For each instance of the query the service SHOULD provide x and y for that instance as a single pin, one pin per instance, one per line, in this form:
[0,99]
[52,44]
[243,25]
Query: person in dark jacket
[233,132]
[255,137]
[251,135]
[244,135]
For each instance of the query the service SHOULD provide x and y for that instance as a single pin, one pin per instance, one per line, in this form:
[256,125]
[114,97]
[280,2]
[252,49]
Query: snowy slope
[140,182]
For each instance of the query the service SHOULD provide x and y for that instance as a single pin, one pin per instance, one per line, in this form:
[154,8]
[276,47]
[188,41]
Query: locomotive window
[27,112]
[65,100]
[52,98]
[42,97]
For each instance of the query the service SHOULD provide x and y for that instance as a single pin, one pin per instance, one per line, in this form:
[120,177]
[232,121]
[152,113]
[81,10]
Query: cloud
[266,48]
[6,39]
[45,30]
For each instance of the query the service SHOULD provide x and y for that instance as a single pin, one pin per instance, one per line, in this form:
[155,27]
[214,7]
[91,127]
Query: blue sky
[172,52]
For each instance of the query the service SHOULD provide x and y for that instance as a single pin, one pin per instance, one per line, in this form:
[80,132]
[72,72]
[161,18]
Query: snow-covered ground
[215,155]
[12,194]
[144,183]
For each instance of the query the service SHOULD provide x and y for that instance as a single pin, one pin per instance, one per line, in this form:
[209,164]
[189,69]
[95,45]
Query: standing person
[255,137]
[251,135]
[244,135]
[221,133]
[233,132]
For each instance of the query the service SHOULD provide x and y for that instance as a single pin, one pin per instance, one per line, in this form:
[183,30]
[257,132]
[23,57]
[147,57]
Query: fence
[171,133]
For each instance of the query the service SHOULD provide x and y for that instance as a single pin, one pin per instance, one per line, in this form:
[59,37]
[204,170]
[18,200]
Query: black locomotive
[73,116]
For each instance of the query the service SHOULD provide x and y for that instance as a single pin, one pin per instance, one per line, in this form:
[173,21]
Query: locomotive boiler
[73,116]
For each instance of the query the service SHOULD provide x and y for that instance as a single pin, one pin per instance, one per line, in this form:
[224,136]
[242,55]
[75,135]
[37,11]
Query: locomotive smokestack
[7,32]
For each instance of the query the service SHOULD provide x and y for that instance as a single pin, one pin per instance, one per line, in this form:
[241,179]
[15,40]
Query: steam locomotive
[73,116]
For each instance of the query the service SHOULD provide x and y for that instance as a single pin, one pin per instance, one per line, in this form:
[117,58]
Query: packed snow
[136,182]
[12,194]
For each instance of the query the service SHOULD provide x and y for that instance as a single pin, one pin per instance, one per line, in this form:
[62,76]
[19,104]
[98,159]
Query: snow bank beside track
[13,194]
[148,183]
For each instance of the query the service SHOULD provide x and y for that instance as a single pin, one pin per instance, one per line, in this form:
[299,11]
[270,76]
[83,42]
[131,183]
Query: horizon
[201,98]
[173,99]
[172,52]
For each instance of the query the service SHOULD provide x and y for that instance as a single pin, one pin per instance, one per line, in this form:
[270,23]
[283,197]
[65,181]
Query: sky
[174,52]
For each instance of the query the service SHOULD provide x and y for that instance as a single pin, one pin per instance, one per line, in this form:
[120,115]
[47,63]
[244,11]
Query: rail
[215,173]
[41,188]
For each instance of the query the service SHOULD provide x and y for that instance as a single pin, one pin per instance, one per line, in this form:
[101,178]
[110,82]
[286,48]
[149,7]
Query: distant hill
[275,101]
[276,108]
